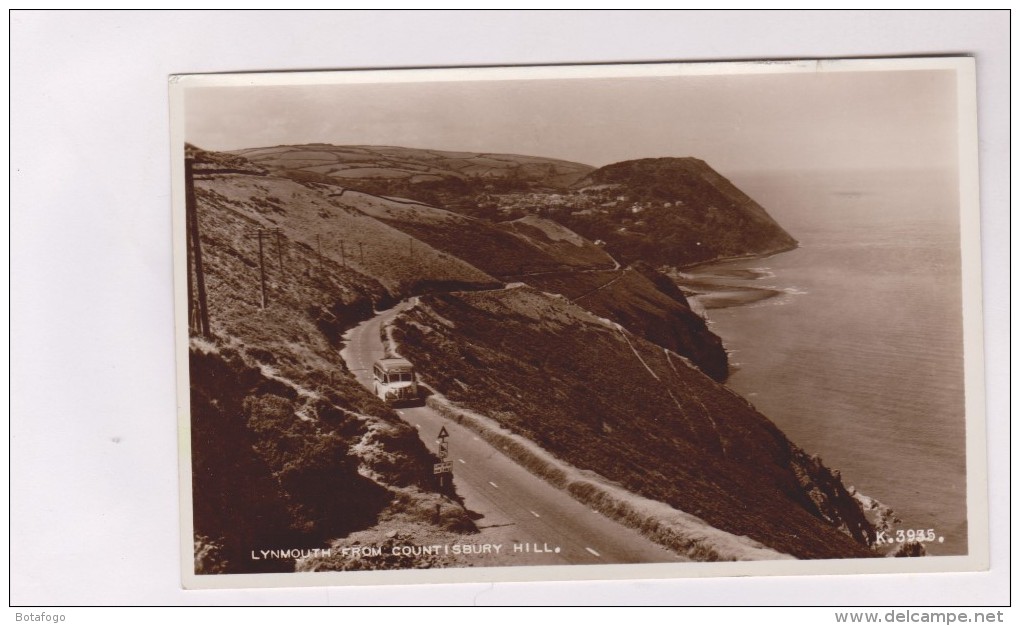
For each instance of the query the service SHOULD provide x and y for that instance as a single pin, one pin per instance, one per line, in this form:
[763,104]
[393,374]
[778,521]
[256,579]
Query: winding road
[535,523]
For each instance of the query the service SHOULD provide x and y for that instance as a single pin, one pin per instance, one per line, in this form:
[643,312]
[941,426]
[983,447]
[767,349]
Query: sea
[853,342]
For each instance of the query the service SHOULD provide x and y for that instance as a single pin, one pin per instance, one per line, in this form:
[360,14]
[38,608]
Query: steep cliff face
[606,400]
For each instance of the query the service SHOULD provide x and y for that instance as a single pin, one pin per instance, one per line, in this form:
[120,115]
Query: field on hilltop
[426,175]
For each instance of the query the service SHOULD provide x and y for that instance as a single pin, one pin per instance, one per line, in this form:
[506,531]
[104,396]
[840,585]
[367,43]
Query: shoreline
[739,257]
[709,287]
[723,290]
[724,287]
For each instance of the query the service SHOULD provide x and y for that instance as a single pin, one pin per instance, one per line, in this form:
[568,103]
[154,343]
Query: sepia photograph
[575,322]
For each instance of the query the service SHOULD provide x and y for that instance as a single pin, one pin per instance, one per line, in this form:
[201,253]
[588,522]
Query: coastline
[766,254]
[723,287]
[716,285]
[832,392]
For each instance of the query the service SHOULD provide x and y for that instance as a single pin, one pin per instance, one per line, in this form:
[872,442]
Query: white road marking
[592,551]
[462,461]
[399,411]
[417,425]
[535,514]
[494,484]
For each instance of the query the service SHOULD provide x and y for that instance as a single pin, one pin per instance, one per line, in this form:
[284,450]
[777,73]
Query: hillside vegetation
[562,244]
[671,212]
[593,353]
[496,249]
[317,221]
[647,304]
[608,401]
[681,212]
[552,258]
[287,448]
[435,177]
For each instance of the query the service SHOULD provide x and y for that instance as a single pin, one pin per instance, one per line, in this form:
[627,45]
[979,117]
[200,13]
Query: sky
[735,122]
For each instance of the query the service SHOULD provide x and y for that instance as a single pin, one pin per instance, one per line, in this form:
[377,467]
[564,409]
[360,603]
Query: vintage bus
[393,380]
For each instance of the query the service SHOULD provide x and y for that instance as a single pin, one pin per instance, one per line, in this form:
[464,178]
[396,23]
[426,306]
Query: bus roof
[395,365]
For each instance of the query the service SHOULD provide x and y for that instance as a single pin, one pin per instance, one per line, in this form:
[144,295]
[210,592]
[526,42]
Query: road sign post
[444,466]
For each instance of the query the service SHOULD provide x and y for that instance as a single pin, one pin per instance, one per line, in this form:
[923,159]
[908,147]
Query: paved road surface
[516,507]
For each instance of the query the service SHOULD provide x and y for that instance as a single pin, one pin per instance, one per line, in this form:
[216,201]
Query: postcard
[578,322]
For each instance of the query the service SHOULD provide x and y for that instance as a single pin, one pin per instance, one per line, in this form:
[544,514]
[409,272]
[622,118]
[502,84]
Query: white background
[94,494]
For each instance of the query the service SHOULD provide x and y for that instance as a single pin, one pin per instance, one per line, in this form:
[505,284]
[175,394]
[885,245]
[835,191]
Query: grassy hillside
[496,251]
[562,244]
[287,448]
[549,256]
[655,425]
[502,250]
[431,176]
[274,409]
[673,211]
[666,211]
[647,304]
[408,247]
[316,221]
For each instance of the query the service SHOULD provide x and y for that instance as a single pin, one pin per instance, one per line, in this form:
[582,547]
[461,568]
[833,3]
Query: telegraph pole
[195,241]
[192,313]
